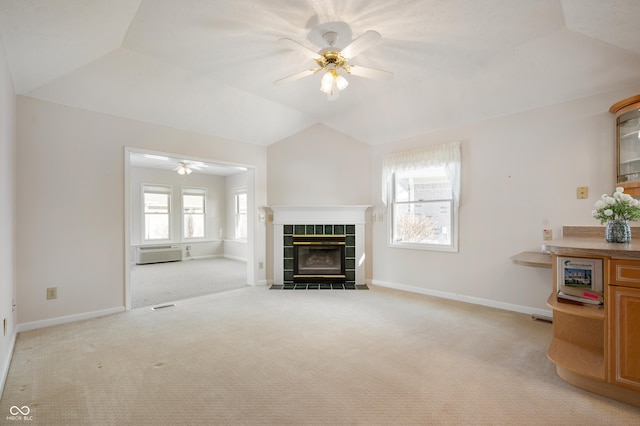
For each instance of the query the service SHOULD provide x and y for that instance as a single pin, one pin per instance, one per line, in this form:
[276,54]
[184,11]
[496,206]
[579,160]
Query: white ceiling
[163,162]
[208,66]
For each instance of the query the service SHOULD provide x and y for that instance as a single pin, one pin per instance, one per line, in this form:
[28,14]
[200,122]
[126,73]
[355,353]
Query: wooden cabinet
[598,349]
[578,343]
[627,113]
[623,297]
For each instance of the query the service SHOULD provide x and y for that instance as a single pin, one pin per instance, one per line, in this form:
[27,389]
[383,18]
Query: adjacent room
[319,212]
[188,228]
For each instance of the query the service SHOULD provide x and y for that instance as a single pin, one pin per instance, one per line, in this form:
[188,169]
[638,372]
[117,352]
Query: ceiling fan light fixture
[332,81]
[341,82]
[332,59]
[327,82]
[183,168]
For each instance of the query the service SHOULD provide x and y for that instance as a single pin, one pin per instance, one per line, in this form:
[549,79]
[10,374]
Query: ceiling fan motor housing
[331,57]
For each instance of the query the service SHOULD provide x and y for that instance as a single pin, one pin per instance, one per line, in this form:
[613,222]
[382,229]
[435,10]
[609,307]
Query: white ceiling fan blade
[300,48]
[365,41]
[296,76]
[367,72]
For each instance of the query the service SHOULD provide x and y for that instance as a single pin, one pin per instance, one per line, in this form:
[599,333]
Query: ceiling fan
[334,61]
[185,168]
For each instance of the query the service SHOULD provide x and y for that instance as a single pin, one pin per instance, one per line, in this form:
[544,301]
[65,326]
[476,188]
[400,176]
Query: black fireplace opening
[319,258]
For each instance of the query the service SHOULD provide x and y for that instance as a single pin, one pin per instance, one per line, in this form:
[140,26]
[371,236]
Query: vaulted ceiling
[208,66]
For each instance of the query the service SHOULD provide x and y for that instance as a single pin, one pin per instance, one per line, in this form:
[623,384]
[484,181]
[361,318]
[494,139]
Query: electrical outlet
[547,234]
[260,265]
[583,192]
[52,293]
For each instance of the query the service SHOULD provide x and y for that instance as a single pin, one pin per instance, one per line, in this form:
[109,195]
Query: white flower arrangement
[618,206]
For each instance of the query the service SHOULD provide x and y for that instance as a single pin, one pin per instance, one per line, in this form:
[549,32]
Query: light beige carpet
[159,283]
[255,356]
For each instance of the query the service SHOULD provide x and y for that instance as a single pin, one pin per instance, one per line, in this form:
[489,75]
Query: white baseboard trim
[34,325]
[5,368]
[543,313]
[206,256]
[240,258]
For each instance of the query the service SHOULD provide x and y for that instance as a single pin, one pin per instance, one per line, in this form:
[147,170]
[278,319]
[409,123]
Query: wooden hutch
[598,348]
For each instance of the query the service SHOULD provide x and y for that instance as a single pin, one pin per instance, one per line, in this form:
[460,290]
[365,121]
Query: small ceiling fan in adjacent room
[334,62]
[186,168]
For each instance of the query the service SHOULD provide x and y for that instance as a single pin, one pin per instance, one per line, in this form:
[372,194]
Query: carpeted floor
[253,356]
[159,283]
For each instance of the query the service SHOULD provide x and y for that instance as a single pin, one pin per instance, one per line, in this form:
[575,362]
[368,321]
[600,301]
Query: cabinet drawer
[624,272]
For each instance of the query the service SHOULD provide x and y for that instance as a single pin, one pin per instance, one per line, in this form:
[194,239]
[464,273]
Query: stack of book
[580,296]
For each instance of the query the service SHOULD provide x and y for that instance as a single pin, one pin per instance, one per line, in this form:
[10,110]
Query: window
[241,213]
[193,213]
[423,188]
[157,201]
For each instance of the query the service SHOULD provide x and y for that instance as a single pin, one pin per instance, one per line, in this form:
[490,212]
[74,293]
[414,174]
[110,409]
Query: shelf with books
[596,312]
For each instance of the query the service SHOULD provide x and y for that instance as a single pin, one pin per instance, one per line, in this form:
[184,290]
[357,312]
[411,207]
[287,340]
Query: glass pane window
[426,222]
[421,189]
[156,215]
[193,206]
[422,207]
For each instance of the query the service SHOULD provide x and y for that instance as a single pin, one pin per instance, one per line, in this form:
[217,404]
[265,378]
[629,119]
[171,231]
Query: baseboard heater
[157,254]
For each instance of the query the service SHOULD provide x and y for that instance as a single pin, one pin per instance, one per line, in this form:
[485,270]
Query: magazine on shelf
[577,299]
[583,293]
[581,278]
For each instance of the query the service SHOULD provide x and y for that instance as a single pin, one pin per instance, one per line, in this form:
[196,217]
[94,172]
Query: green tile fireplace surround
[321,222]
[349,230]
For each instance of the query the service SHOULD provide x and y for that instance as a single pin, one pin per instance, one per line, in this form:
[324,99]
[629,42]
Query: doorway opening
[188,227]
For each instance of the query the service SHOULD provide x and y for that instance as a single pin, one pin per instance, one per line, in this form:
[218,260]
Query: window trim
[156,189]
[237,214]
[445,155]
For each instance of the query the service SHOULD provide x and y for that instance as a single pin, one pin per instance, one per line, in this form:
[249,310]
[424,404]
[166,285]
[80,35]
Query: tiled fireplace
[320,244]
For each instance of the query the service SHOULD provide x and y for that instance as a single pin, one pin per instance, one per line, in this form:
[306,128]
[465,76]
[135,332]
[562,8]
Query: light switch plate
[583,192]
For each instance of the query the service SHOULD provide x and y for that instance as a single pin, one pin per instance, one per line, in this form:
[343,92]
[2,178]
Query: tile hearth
[319,286]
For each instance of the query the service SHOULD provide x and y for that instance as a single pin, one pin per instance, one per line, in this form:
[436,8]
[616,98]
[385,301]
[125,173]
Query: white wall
[7,217]
[519,176]
[319,166]
[70,203]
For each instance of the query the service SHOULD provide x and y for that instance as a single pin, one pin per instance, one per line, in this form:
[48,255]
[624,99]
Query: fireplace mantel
[293,215]
[318,215]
